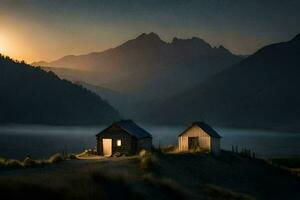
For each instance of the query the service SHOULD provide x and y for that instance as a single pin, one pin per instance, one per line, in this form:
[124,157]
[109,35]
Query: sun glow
[3,44]
[9,48]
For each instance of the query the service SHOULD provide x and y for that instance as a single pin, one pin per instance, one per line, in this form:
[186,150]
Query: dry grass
[290,164]
[175,150]
[71,157]
[114,186]
[87,153]
[29,162]
[95,185]
[146,161]
[11,163]
[55,158]
[169,149]
[170,188]
[216,192]
[154,176]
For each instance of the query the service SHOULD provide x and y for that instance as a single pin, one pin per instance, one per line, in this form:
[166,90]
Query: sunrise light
[3,44]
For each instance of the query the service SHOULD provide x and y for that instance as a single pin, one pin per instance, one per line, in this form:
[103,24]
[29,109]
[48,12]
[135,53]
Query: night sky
[34,30]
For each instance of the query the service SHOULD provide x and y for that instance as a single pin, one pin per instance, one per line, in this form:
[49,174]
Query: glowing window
[119,143]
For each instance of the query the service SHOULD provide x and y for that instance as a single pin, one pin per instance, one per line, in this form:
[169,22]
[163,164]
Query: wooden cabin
[124,138]
[199,136]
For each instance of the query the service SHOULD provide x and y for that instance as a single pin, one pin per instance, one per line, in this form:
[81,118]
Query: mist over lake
[38,141]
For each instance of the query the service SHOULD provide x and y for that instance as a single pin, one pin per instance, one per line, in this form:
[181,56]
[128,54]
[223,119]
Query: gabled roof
[206,128]
[132,128]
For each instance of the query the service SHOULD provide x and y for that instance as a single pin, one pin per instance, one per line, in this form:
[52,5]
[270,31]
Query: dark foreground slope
[259,92]
[166,176]
[31,95]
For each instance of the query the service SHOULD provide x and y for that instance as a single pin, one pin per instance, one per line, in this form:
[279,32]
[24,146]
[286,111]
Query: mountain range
[31,95]
[187,80]
[147,67]
[261,91]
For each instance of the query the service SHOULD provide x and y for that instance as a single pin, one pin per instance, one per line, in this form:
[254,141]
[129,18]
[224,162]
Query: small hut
[124,138]
[199,136]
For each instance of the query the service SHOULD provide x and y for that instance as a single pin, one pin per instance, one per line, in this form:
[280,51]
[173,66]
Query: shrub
[146,163]
[72,157]
[28,162]
[41,162]
[142,153]
[2,162]
[56,158]
[87,153]
[13,163]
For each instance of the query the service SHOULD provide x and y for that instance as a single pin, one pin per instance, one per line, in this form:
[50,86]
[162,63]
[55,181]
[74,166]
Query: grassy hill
[161,176]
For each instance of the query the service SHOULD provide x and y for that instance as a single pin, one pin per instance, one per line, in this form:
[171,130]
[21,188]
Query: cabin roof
[205,127]
[130,127]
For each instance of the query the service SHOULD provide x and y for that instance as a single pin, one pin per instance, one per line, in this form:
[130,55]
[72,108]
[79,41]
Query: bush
[2,162]
[146,163]
[28,162]
[41,162]
[56,158]
[72,157]
[13,163]
[142,153]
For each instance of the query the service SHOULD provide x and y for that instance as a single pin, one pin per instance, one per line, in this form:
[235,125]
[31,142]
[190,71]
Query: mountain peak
[194,40]
[149,36]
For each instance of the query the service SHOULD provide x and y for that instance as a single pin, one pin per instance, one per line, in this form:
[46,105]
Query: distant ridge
[32,95]
[148,67]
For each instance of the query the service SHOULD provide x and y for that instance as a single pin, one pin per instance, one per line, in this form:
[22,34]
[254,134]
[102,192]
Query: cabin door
[107,147]
[193,142]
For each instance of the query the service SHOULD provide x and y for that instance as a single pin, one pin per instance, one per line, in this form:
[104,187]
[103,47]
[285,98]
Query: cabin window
[119,143]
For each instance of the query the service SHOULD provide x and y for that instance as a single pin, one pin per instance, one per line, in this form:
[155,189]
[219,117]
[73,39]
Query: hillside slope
[259,92]
[168,177]
[31,95]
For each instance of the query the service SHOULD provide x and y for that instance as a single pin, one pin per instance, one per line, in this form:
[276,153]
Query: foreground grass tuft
[216,192]
[29,162]
[13,163]
[56,158]
[170,188]
[146,162]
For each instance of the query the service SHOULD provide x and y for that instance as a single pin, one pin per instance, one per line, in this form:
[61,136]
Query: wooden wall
[205,141]
[128,146]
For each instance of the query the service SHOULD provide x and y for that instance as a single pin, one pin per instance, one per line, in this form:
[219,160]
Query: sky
[34,30]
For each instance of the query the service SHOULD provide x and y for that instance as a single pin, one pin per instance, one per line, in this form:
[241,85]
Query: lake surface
[18,141]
